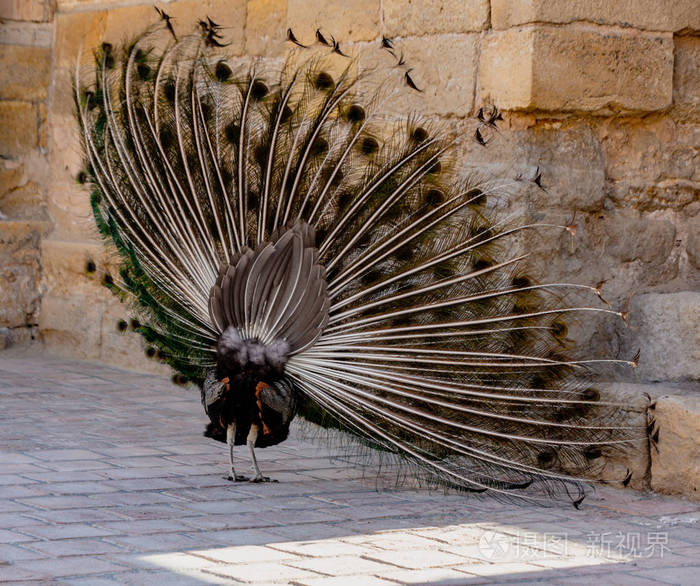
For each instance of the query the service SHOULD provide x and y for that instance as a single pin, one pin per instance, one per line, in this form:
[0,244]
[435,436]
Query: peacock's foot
[237,478]
[261,478]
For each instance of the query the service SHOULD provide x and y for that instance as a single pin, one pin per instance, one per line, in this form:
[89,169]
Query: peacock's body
[290,250]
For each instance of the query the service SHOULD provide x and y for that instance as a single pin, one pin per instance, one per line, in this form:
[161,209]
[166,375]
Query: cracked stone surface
[105,478]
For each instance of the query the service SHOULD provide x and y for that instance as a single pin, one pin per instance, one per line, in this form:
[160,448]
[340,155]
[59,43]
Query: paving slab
[105,478]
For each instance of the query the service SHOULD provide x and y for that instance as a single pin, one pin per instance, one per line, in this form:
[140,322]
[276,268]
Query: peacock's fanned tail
[282,207]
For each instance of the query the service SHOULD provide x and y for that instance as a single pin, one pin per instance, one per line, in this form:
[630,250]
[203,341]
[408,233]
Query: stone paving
[105,478]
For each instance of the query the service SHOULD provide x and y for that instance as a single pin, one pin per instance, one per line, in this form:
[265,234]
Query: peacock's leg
[230,439]
[252,436]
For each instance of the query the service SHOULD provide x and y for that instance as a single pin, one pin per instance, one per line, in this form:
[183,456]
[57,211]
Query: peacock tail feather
[282,212]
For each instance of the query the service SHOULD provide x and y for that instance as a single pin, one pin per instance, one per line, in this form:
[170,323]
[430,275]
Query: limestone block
[18,128]
[11,177]
[506,69]
[266,25]
[652,163]
[124,23]
[16,173]
[34,10]
[24,202]
[675,466]
[68,202]
[443,67]
[416,17]
[569,156]
[664,15]
[666,328]
[632,457]
[24,72]
[577,68]
[68,43]
[20,271]
[65,268]
[26,34]
[70,286]
[346,20]
[639,238]
[92,334]
[686,71]
[70,326]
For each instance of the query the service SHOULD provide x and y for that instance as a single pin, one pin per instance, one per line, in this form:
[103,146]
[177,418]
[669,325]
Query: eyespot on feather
[419,134]
[369,146]
[222,71]
[355,114]
[259,90]
[324,81]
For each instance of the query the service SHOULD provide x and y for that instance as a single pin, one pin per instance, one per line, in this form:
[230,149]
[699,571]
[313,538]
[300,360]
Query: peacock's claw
[261,478]
[238,478]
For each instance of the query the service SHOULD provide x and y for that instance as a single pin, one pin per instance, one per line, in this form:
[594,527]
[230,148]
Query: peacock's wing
[293,212]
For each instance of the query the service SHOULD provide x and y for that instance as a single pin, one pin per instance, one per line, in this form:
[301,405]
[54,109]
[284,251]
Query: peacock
[291,248]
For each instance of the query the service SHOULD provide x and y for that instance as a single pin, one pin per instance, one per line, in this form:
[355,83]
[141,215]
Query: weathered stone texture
[32,10]
[686,71]
[24,72]
[675,463]
[346,20]
[67,43]
[423,17]
[631,237]
[266,25]
[230,14]
[68,202]
[446,77]
[506,69]
[634,457]
[71,325]
[577,68]
[26,34]
[120,24]
[664,15]
[65,268]
[584,69]
[24,202]
[84,326]
[18,128]
[651,163]
[666,327]
[568,154]
[20,272]
[79,315]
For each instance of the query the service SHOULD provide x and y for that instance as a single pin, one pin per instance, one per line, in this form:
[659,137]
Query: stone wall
[603,97]
[25,78]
